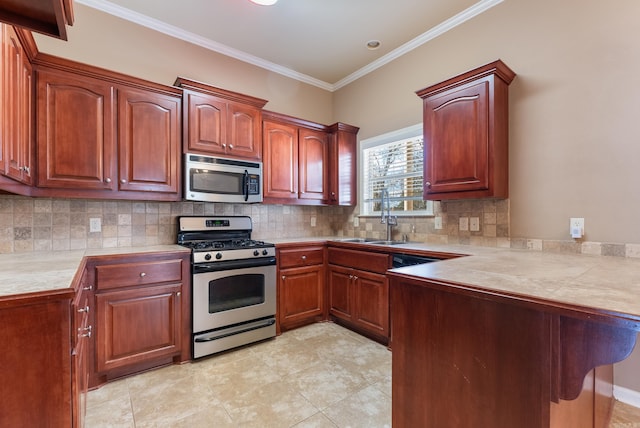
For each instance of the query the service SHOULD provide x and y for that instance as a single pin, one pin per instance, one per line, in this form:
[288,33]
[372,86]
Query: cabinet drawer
[301,257]
[142,273]
[364,260]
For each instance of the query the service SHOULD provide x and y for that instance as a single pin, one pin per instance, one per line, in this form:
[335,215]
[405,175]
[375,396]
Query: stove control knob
[265,252]
[256,253]
[207,256]
[218,256]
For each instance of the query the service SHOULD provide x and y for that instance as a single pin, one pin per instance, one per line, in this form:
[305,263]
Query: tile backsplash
[45,224]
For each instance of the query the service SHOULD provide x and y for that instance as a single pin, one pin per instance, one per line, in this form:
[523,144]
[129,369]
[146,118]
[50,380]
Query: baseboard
[628,396]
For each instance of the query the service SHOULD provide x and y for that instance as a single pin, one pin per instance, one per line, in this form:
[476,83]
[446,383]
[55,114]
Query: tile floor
[321,376]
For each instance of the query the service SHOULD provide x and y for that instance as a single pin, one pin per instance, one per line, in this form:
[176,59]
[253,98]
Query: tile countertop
[33,272]
[607,284]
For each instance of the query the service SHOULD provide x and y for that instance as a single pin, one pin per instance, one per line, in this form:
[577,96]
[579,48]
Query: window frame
[389,137]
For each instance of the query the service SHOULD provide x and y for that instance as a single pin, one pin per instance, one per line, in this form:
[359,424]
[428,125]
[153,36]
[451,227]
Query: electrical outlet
[313,221]
[464,224]
[576,227]
[438,223]
[95,225]
[356,221]
[474,224]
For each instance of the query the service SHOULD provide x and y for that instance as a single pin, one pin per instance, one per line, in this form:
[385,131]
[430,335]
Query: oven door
[226,297]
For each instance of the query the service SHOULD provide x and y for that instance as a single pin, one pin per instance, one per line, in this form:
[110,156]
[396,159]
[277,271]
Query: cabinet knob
[427,184]
[304,258]
[26,169]
[178,294]
[123,181]
[355,278]
[85,309]
[142,274]
[283,277]
[224,145]
[231,146]
[107,180]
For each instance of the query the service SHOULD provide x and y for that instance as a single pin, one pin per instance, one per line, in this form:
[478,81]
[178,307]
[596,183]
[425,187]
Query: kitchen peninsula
[506,338]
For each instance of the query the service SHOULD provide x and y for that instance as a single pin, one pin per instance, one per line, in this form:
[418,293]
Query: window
[394,162]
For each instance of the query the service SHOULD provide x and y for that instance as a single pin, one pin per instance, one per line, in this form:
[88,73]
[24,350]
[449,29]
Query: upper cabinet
[296,160]
[466,135]
[16,105]
[343,149]
[221,122]
[101,136]
[49,17]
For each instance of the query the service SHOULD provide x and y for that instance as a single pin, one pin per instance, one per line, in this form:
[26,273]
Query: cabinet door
[343,164]
[206,123]
[457,139]
[76,136]
[137,325]
[371,297]
[245,136]
[340,293]
[280,154]
[301,295]
[313,157]
[149,143]
[18,116]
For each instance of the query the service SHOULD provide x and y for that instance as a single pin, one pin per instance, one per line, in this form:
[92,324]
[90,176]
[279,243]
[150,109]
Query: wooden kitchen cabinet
[49,17]
[301,291]
[16,96]
[296,160]
[44,362]
[343,161]
[104,135]
[149,141]
[221,122]
[466,134]
[359,291]
[143,312]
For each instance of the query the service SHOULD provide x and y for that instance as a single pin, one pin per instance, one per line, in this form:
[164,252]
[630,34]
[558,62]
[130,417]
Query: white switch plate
[464,224]
[95,224]
[438,223]
[313,221]
[474,224]
[576,227]
[356,221]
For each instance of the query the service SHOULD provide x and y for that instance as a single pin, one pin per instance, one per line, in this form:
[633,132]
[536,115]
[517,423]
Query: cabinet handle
[85,309]
[107,180]
[88,288]
[142,274]
[427,184]
[87,334]
[123,181]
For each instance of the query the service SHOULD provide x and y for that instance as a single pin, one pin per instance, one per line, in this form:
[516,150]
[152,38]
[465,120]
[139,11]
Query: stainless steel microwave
[213,179]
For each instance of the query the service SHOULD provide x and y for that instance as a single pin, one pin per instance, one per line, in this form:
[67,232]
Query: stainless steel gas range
[233,280]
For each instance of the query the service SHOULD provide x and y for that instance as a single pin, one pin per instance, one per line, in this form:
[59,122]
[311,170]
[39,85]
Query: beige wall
[574,143]
[105,41]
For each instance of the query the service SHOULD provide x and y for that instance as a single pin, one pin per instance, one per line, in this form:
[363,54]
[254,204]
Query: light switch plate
[438,223]
[474,224]
[95,224]
[313,221]
[464,224]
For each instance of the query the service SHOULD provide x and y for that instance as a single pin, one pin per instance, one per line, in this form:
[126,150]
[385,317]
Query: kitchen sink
[372,241]
[386,242]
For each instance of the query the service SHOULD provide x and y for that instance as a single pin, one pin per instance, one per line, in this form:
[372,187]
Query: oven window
[232,292]
[216,182]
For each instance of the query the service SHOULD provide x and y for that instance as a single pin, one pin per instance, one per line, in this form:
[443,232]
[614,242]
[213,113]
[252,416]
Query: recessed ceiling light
[373,44]
[265,2]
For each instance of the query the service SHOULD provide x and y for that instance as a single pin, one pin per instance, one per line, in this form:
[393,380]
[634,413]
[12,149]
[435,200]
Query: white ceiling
[320,42]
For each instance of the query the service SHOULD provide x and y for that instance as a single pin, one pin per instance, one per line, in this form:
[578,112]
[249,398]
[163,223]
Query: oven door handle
[233,264]
[235,330]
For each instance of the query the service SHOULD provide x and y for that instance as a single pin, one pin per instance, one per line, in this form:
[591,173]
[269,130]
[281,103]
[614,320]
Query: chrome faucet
[390,220]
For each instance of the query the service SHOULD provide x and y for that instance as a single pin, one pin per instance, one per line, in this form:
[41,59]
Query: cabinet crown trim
[194,85]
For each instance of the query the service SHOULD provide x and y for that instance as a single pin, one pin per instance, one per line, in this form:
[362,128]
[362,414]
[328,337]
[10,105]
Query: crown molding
[181,34]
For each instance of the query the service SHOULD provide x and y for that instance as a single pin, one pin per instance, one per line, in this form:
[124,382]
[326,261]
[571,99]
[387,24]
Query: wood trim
[185,83]
[291,120]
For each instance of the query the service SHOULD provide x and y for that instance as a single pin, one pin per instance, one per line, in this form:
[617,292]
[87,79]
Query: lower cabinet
[301,294]
[359,291]
[142,316]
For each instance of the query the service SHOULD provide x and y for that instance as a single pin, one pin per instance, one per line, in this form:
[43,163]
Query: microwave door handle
[246,185]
